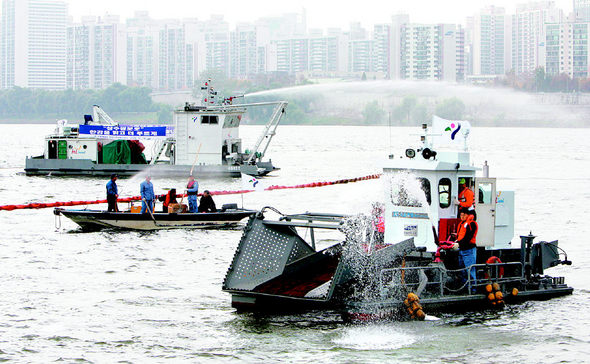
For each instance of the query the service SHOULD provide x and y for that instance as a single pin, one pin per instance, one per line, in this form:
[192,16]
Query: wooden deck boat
[91,220]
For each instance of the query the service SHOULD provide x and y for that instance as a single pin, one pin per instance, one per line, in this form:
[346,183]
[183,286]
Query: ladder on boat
[160,146]
[269,130]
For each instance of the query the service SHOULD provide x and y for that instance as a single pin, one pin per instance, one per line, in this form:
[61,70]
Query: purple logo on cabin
[454,129]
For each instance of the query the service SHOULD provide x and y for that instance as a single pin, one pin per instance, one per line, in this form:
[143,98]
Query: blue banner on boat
[126,131]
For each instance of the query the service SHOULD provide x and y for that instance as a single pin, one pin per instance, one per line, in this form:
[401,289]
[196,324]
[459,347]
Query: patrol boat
[409,269]
[203,140]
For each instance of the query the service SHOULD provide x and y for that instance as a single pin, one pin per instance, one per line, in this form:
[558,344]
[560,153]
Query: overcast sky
[320,13]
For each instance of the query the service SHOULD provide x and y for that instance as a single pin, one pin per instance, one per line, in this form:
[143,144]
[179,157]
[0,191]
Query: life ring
[495,260]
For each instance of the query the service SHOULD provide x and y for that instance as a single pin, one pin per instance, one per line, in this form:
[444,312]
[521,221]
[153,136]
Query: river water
[155,297]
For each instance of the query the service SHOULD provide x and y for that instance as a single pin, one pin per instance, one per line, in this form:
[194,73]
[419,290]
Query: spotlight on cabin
[410,153]
[427,153]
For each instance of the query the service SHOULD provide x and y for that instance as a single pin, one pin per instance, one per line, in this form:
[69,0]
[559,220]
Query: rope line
[41,205]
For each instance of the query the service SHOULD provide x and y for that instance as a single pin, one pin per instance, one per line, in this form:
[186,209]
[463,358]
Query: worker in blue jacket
[192,189]
[147,195]
[112,194]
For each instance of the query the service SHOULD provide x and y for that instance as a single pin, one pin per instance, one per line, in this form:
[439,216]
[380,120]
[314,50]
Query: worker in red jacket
[466,243]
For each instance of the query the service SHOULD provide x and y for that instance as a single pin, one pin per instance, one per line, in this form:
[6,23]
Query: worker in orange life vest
[170,198]
[466,198]
[466,238]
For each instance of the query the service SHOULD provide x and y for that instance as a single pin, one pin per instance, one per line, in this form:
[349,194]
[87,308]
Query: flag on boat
[449,133]
[252,183]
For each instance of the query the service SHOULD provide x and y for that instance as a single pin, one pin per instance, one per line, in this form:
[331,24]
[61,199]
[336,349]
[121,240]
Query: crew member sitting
[207,204]
[170,198]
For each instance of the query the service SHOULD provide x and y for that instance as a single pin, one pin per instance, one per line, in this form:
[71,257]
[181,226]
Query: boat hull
[91,220]
[394,309]
[85,167]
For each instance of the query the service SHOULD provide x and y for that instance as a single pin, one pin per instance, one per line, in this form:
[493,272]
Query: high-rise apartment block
[175,56]
[161,54]
[528,34]
[567,49]
[96,50]
[432,52]
[244,51]
[490,43]
[38,48]
[33,44]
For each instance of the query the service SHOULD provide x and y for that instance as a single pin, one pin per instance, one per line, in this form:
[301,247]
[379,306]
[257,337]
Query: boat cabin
[212,133]
[424,188]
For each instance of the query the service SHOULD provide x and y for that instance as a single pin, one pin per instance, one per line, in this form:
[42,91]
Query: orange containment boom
[40,205]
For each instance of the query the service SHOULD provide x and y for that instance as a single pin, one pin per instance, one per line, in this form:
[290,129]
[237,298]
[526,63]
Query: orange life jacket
[466,197]
[380,224]
[169,199]
[462,229]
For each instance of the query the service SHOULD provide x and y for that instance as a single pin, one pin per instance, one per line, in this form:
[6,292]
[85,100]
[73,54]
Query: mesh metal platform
[263,253]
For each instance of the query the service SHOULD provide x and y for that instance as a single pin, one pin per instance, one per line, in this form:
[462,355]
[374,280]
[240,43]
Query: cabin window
[401,197]
[231,121]
[425,184]
[485,193]
[209,119]
[444,193]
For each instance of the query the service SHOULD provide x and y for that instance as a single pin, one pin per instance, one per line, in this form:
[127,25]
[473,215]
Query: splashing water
[405,189]
[362,241]
[375,337]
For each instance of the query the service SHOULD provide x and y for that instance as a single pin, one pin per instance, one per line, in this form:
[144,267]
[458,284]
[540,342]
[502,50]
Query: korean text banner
[126,131]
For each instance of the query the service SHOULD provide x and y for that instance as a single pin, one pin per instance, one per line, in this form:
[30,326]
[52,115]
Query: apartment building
[432,52]
[490,45]
[528,34]
[33,44]
[96,53]
[567,49]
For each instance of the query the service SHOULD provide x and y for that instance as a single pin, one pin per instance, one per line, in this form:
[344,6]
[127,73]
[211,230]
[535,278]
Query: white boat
[203,140]
[379,274]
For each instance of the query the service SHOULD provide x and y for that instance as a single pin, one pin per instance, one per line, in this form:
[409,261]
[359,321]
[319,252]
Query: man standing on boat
[466,197]
[112,194]
[147,195]
[192,189]
[466,237]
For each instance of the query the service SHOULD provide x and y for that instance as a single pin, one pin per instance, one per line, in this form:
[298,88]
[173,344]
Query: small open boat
[91,220]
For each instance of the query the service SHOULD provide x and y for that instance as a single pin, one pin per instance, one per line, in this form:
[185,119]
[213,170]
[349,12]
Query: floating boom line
[41,205]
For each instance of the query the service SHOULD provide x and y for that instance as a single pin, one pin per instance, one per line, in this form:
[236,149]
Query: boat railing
[437,280]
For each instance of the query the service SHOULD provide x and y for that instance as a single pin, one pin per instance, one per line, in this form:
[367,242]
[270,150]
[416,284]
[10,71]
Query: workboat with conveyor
[203,140]
[91,220]
[407,268]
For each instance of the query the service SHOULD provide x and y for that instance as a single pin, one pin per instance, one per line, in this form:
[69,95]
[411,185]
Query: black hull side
[92,220]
